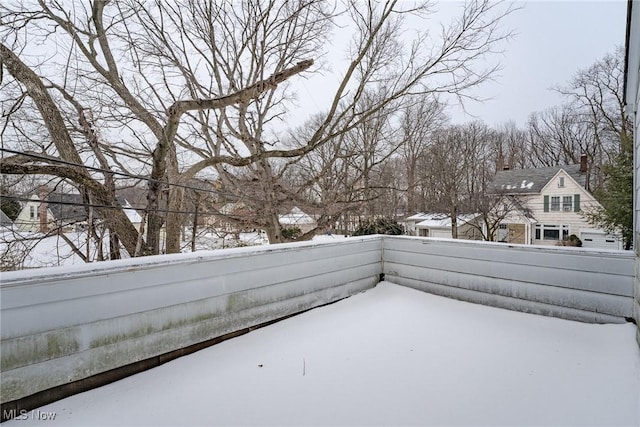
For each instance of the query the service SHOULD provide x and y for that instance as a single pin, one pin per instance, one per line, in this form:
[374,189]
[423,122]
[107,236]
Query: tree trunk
[194,231]
[454,222]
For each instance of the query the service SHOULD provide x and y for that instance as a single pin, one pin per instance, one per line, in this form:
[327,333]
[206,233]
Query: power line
[93,205]
[144,178]
[124,174]
[232,216]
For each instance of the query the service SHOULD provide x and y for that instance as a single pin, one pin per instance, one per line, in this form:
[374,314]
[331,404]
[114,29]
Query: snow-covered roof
[419,216]
[442,220]
[531,181]
[131,213]
[295,217]
[398,357]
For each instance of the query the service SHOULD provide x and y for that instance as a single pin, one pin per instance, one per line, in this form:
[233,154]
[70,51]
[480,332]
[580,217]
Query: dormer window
[561,182]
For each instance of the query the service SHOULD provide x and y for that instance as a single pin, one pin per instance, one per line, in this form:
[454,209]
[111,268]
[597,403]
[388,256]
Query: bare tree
[383,64]
[459,168]
[207,96]
[419,121]
[91,62]
[509,147]
[597,101]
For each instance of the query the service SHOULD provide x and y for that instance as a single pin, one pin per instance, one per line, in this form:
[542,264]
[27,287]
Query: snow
[389,356]
[295,217]
[131,213]
[26,250]
[442,220]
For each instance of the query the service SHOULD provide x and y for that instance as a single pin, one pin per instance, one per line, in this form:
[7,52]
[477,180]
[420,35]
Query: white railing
[578,284]
[61,325]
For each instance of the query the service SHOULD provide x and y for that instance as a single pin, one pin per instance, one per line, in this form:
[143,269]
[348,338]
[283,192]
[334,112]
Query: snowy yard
[389,356]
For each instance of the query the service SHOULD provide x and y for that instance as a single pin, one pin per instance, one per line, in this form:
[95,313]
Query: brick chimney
[42,210]
[583,163]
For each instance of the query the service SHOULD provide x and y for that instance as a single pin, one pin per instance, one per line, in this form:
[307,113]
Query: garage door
[598,240]
[446,234]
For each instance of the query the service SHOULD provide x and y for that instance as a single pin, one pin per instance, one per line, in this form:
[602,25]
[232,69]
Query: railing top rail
[14,278]
[522,247]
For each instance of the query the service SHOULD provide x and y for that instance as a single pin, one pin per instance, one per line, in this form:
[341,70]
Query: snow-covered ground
[33,250]
[389,356]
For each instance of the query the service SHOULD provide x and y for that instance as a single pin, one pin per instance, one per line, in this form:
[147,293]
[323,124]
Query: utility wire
[93,205]
[144,178]
[125,174]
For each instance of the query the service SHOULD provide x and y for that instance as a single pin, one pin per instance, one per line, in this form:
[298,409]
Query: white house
[550,206]
[297,218]
[32,218]
[439,225]
[50,210]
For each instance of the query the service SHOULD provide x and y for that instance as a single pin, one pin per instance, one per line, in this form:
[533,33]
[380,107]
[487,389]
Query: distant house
[35,216]
[547,206]
[297,218]
[235,218]
[439,225]
[65,211]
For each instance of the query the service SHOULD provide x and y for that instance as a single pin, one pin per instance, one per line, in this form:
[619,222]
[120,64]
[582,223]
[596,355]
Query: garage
[440,233]
[595,239]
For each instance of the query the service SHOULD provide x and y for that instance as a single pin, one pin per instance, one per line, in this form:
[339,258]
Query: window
[32,212]
[561,182]
[561,203]
[552,232]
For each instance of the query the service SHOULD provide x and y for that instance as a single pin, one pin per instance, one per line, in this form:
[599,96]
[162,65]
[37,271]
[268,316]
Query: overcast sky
[552,41]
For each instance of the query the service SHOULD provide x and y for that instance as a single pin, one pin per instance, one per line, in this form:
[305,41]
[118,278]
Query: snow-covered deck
[388,356]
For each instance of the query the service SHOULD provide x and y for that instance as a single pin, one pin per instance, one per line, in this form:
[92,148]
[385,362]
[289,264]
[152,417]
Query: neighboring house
[131,213]
[59,210]
[297,218]
[34,216]
[236,210]
[439,225]
[516,223]
[547,206]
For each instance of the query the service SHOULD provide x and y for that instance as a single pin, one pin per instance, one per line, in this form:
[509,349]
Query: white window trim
[561,231]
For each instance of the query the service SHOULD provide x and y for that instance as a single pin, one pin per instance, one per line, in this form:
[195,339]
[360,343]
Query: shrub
[379,226]
[572,240]
[291,233]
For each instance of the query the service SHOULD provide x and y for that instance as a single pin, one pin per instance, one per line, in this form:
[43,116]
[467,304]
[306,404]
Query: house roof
[296,216]
[442,220]
[419,217]
[69,208]
[531,181]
